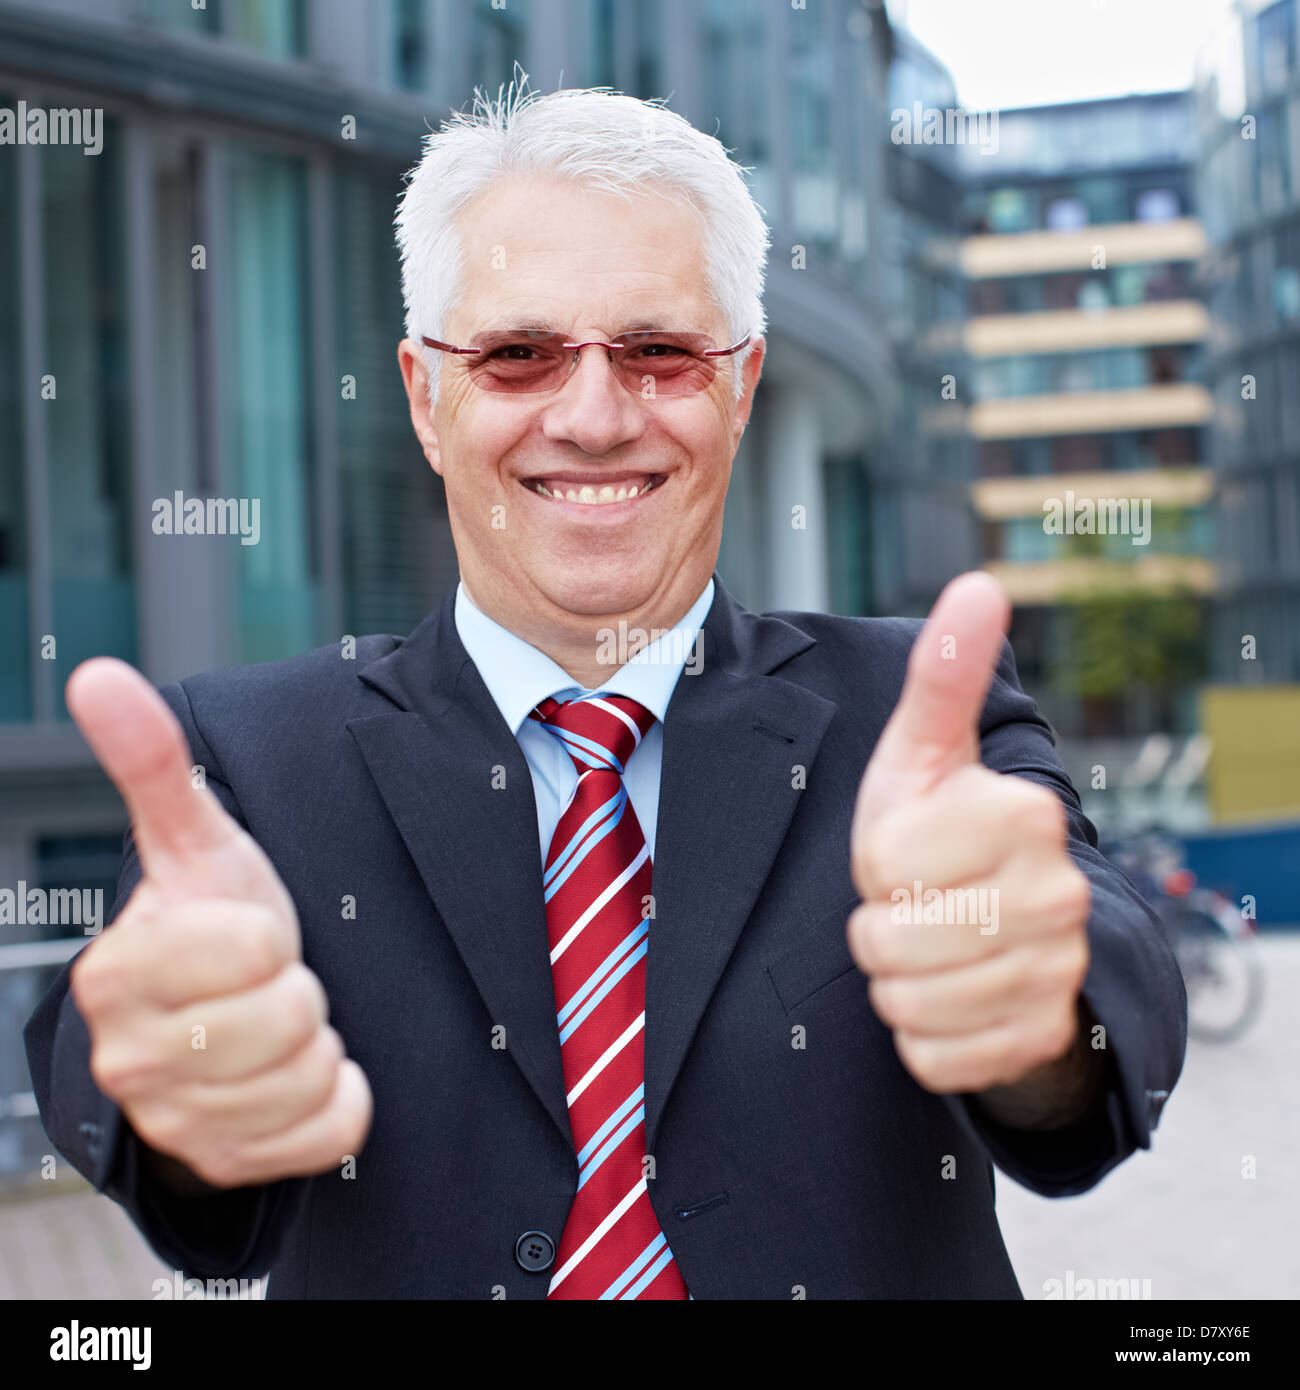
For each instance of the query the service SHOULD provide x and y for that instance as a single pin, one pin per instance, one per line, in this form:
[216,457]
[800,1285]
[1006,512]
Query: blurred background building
[1087,333]
[216,300]
[212,306]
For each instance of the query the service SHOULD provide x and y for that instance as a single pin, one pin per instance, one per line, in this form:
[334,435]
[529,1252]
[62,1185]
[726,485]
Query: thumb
[934,729]
[144,751]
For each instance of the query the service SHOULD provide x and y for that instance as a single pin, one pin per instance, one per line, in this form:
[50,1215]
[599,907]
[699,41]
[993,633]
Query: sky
[1009,53]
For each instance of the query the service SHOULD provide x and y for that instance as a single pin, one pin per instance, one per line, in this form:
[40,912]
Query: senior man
[489,964]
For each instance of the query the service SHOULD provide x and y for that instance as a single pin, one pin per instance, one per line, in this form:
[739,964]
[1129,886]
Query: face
[590,264]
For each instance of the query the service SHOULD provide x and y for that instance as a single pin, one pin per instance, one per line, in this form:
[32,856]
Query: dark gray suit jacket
[823,1167]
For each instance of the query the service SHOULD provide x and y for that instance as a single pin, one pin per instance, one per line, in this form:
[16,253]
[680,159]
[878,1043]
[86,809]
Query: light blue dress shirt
[519,676]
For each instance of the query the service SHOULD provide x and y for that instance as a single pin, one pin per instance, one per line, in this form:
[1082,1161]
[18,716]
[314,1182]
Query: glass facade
[15,671]
[86,425]
[1106,369]
[271,414]
[1248,111]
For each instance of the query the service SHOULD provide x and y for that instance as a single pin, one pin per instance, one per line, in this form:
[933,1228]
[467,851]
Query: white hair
[599,139]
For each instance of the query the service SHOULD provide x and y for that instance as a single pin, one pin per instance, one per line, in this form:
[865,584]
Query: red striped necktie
[597,886]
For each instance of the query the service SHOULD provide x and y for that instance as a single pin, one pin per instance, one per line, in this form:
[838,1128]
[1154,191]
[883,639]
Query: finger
[984,994]
[143,749]
[998,1056]
[894,938]
[272,1101]
[185,952]
[934,728]
[316,1144]
[224,1039]
[1033,898]
[957,833]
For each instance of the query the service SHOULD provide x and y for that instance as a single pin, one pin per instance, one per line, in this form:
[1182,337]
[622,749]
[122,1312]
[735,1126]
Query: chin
[603,588]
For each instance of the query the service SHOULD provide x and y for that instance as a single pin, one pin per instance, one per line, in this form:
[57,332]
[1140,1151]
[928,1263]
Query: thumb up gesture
[205,1025]
[973,924]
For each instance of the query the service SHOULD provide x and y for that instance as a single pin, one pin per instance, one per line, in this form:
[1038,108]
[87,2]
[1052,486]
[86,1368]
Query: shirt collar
[519,677]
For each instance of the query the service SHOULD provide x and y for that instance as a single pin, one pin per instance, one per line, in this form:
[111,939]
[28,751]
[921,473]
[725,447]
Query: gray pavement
[1181,1215]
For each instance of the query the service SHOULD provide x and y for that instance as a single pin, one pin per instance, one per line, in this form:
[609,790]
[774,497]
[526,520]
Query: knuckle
[895,1002]
[253,942]
[301,1002]
[96,984]
[866,937]
[318,1072]
[120,1073]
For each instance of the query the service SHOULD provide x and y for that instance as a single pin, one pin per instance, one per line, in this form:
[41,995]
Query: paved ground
[1181,1215]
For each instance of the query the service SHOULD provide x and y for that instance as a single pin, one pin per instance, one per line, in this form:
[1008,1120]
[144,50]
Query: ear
[415,377]
[753,370]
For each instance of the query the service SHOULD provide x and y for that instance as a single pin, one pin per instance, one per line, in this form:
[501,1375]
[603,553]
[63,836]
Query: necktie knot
[600,732]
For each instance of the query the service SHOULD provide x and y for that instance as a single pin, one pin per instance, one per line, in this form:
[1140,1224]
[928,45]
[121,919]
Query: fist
[206,1027]
[973,921]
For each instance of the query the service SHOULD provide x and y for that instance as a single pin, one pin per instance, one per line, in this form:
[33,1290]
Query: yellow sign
[1254,771]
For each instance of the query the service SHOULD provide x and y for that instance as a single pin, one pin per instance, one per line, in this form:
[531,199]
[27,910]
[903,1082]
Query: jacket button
[535,1251]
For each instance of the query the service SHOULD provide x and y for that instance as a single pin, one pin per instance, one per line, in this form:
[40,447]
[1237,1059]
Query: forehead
[550,253]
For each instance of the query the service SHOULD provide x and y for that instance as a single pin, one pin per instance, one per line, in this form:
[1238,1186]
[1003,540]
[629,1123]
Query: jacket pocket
[817,959]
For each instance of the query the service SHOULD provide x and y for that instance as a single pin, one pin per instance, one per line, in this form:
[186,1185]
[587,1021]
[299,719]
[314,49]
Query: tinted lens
[651,364]
[665,364]
[519,360]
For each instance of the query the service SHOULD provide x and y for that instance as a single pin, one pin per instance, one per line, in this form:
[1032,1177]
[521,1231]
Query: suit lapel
[458,788]
[733,736]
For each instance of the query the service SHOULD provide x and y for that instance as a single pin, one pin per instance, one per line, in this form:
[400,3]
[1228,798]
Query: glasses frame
[576,349]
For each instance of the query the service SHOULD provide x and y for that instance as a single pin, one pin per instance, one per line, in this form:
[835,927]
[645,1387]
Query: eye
[663,351]
[508,352]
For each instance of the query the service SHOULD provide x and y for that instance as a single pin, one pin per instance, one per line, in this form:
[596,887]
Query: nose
[593,409]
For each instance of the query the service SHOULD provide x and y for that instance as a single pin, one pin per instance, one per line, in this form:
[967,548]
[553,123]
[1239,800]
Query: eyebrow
[548,326]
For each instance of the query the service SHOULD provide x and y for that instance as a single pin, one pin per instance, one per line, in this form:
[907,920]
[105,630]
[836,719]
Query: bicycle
[1214,942]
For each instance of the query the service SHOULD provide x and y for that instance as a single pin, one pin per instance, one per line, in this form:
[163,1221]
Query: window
[410,45]
[90,523]
[15,670]
[273,27]
[495,42]
[1066,215]
[1156,205]
[271,402]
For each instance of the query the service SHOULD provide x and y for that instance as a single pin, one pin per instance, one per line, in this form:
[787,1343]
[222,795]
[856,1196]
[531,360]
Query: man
[636,985]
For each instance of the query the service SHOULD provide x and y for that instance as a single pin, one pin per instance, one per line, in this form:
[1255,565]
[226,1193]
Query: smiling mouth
[595,494]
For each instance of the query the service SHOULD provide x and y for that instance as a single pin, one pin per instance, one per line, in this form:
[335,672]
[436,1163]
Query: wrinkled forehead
[551,254]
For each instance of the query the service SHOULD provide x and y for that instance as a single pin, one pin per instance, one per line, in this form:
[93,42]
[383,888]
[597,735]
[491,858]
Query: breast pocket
[818,958]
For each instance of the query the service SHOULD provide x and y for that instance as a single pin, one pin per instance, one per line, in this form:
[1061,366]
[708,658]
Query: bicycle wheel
[1223,975]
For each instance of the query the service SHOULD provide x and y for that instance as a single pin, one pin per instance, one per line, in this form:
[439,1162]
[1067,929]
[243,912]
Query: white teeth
[591,496]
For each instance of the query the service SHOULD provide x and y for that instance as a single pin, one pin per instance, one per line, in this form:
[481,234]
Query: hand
[206,1027]
[980,978]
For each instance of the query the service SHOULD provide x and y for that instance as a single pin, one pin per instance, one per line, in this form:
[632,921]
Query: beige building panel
[1124,243]
[1068,330]
[1048,581]
[1091,412]
[999,499]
